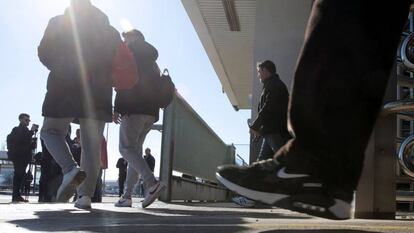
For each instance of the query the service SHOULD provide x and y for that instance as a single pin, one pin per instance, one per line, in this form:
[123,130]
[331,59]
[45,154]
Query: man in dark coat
[271,121]
[149,159]
[139,111]
[20,145]
[78,48]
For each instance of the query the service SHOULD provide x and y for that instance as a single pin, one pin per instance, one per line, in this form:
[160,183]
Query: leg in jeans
[53,133]
[270,145]
[131,181]
[133,131]
[91,140]
[341,76]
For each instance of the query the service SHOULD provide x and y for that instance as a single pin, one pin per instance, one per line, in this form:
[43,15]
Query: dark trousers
[341,76]
[271,143]
[19,172]
[97,195]
[121,184]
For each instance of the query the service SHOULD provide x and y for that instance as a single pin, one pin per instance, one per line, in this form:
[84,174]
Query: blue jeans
[270,145]
[53,133]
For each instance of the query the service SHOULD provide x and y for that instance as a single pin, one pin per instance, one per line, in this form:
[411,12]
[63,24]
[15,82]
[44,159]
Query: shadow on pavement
[230,214]
[148,220]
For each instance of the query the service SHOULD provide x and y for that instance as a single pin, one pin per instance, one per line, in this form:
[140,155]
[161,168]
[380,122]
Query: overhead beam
[231,14]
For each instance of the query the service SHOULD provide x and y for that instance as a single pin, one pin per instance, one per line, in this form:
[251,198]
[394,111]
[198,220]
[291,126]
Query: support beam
[231,14]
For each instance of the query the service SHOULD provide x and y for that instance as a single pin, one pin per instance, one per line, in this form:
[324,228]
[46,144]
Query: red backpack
[124,69]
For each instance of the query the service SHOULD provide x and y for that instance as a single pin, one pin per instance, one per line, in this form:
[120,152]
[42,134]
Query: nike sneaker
[275,184]
[83,202]
[243,201]
[70,181]
[153,193]
[124,202]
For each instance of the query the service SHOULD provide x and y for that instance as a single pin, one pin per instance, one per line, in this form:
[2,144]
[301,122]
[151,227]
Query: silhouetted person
[20,144]
[138,110]
[78,48]
[149,159]
[76,147]
[271,121]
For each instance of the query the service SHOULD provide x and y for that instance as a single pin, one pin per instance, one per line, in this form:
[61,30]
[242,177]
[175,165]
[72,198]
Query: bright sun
[54,5]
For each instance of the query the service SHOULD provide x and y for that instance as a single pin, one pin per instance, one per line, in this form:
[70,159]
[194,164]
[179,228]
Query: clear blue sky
[164,23]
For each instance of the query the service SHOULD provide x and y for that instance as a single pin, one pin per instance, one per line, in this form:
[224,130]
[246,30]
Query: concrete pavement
[177,217]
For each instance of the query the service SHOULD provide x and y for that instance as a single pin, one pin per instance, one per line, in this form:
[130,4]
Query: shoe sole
[157,193]
[125,206]
[339,211]
[83,207]
[65,193]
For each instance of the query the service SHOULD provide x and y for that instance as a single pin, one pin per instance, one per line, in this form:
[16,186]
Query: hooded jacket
[78,48]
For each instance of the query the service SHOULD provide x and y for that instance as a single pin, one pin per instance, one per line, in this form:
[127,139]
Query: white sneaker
[124,202]
[70,181]
[153,193]
[83,202]
[243,201]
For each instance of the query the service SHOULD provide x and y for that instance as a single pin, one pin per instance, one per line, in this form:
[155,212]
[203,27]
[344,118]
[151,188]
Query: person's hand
[116,118]
[34,128]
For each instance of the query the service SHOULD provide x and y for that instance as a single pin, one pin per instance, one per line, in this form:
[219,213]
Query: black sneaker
[275,184]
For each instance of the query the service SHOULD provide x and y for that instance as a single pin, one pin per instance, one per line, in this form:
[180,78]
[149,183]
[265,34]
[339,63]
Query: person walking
[136,110]
[78,48]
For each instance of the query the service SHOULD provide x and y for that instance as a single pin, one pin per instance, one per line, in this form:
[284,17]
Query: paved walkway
[177,217]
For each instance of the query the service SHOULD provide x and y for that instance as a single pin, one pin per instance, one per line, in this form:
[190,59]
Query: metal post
[167,150]
[375,196]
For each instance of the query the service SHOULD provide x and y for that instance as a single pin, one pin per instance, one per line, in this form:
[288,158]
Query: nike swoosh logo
[155,189]
[282,174]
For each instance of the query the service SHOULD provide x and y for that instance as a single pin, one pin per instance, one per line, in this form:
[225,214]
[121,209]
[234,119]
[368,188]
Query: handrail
[398,106]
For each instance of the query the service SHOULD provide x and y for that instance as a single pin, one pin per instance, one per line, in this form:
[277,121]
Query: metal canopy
[226,30]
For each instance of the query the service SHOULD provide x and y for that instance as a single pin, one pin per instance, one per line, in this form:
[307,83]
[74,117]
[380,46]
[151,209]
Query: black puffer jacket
[80,64]
[272,110]
[140,99]
[21,144]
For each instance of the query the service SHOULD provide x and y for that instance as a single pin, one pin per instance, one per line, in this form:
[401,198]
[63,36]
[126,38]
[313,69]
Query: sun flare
[126,25]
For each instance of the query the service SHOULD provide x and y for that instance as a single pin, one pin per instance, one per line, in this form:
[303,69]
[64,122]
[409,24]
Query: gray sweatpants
[53,133]
[132,133]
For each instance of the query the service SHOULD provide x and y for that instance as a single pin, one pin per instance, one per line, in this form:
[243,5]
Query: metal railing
[191,147]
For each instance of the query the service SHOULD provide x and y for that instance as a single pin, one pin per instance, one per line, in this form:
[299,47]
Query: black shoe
[275,184]
[19,199]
